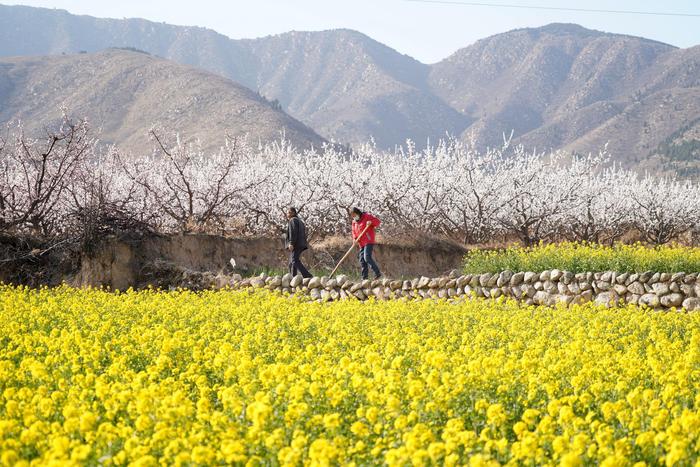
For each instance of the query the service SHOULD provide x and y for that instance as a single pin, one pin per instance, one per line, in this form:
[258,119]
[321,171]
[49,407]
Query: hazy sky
[428,32]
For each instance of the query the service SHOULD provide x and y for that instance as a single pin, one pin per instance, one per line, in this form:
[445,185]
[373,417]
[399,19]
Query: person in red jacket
[365,243]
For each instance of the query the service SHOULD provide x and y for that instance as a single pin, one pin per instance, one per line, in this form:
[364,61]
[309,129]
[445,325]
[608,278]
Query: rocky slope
[124,93]
[558,86]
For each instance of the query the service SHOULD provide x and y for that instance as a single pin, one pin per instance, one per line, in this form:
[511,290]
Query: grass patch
[584,257]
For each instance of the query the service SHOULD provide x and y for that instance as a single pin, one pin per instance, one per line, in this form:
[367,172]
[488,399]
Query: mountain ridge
[557,86]
[125,93]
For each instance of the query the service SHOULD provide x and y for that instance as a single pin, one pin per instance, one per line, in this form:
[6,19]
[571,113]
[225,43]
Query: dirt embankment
[160,260]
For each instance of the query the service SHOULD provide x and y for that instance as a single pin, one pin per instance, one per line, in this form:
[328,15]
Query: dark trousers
[295,264]
[366,261]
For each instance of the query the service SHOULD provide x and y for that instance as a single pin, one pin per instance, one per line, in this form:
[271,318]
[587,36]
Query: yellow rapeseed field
[585,257]
[92,377]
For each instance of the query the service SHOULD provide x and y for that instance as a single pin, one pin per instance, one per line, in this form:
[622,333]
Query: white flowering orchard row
[449,189]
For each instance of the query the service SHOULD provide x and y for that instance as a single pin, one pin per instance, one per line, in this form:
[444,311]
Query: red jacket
[359,226]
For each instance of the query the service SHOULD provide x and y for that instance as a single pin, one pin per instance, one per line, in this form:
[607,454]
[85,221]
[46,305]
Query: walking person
[365,243]
[296,243]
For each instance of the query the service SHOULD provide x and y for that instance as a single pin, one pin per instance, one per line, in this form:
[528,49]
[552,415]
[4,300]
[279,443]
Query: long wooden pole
[354,242]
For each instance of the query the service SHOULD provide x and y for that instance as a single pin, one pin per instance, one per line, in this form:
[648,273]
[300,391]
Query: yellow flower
[226,377]
[331,421]
[571,460]
[359,429]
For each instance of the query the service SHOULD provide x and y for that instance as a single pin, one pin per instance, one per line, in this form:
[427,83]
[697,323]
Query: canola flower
[585,257]
[252,378]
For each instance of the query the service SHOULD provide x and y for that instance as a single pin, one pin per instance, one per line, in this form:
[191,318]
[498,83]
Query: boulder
[257,282]
[606,298]
[550,287]
[484,279]
[587,295]
[517,278]
[649,299]
[221,281]
[687,290]
[660,288]
[314,283]
[692,304]
[528,290]
[567,278]
[341,279]
[672,300]
[461,281]
[286,280]
[632,299]
[541,298]
[636,288]
[561,298]
[276,282]
[504,278]
[325,295]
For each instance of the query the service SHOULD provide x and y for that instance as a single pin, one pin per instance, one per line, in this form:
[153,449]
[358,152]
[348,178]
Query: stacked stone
[652,289]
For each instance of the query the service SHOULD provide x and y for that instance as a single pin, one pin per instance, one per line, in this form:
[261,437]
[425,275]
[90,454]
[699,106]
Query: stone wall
[181,260]
[652,289]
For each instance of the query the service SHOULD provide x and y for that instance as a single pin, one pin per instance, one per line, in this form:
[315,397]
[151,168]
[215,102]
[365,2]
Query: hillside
[563,86]
[557,86]
[341,83]
[124,93]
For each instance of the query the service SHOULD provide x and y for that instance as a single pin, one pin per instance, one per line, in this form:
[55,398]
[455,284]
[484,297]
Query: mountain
[557,86]
[564,86]
[125,93]
[341,83]
[350,87]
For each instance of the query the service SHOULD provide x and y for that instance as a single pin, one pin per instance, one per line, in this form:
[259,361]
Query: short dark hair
[293,210]
[357,211]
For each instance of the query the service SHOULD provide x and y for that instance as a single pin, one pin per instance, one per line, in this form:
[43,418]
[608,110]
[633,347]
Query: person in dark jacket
[296,243]
[361,220]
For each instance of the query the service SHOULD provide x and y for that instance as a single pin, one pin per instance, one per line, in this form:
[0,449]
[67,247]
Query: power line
[540,7]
